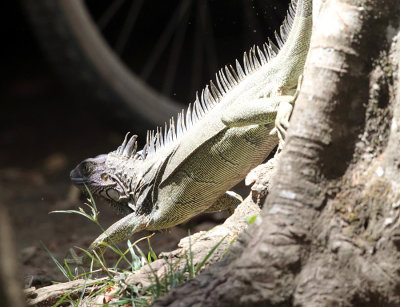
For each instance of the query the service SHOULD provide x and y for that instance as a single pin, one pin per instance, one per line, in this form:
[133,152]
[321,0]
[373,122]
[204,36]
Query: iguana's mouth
[77,178]
[79,181]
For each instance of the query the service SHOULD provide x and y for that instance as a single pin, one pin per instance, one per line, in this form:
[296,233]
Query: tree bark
[330,227]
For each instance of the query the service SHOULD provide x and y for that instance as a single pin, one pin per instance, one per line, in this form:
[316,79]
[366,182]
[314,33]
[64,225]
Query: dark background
[46,128]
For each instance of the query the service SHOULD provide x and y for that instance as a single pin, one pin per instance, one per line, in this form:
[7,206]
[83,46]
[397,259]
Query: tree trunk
[10,286]
[330,231]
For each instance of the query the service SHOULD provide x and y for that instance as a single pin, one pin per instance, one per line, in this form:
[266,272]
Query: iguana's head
[107,175]
[93,173]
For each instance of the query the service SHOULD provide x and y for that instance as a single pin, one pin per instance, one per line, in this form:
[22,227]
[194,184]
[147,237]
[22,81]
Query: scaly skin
[231,130]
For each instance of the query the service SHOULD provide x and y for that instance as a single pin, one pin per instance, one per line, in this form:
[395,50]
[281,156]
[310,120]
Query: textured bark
[330,227]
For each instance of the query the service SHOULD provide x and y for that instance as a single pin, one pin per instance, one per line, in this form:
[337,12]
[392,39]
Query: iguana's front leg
[264,111]
[119,231]
[261,111]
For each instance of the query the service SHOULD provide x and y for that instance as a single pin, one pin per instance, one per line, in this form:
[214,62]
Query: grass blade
[58,264]
[200,265]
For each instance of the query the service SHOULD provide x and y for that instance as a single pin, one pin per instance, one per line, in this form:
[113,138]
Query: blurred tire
[74,45]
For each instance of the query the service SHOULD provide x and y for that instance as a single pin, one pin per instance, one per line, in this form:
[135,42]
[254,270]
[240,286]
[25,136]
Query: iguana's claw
[283,115]
[282,119]
[260,179]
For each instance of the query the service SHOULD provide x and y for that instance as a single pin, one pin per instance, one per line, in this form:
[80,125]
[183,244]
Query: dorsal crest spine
[226,79]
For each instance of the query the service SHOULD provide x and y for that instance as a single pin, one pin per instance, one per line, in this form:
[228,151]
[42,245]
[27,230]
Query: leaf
[251,219]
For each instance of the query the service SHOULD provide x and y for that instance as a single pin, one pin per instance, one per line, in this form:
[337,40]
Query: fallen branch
[48,296]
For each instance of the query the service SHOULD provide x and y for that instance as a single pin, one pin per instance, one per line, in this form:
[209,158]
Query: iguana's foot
[117,232]
[283,114]
[260,179]
[282,120]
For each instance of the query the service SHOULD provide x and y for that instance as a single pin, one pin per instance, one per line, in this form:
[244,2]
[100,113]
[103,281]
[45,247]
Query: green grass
[133,258]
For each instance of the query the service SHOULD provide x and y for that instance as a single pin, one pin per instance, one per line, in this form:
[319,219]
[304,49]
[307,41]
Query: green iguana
[187,167]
